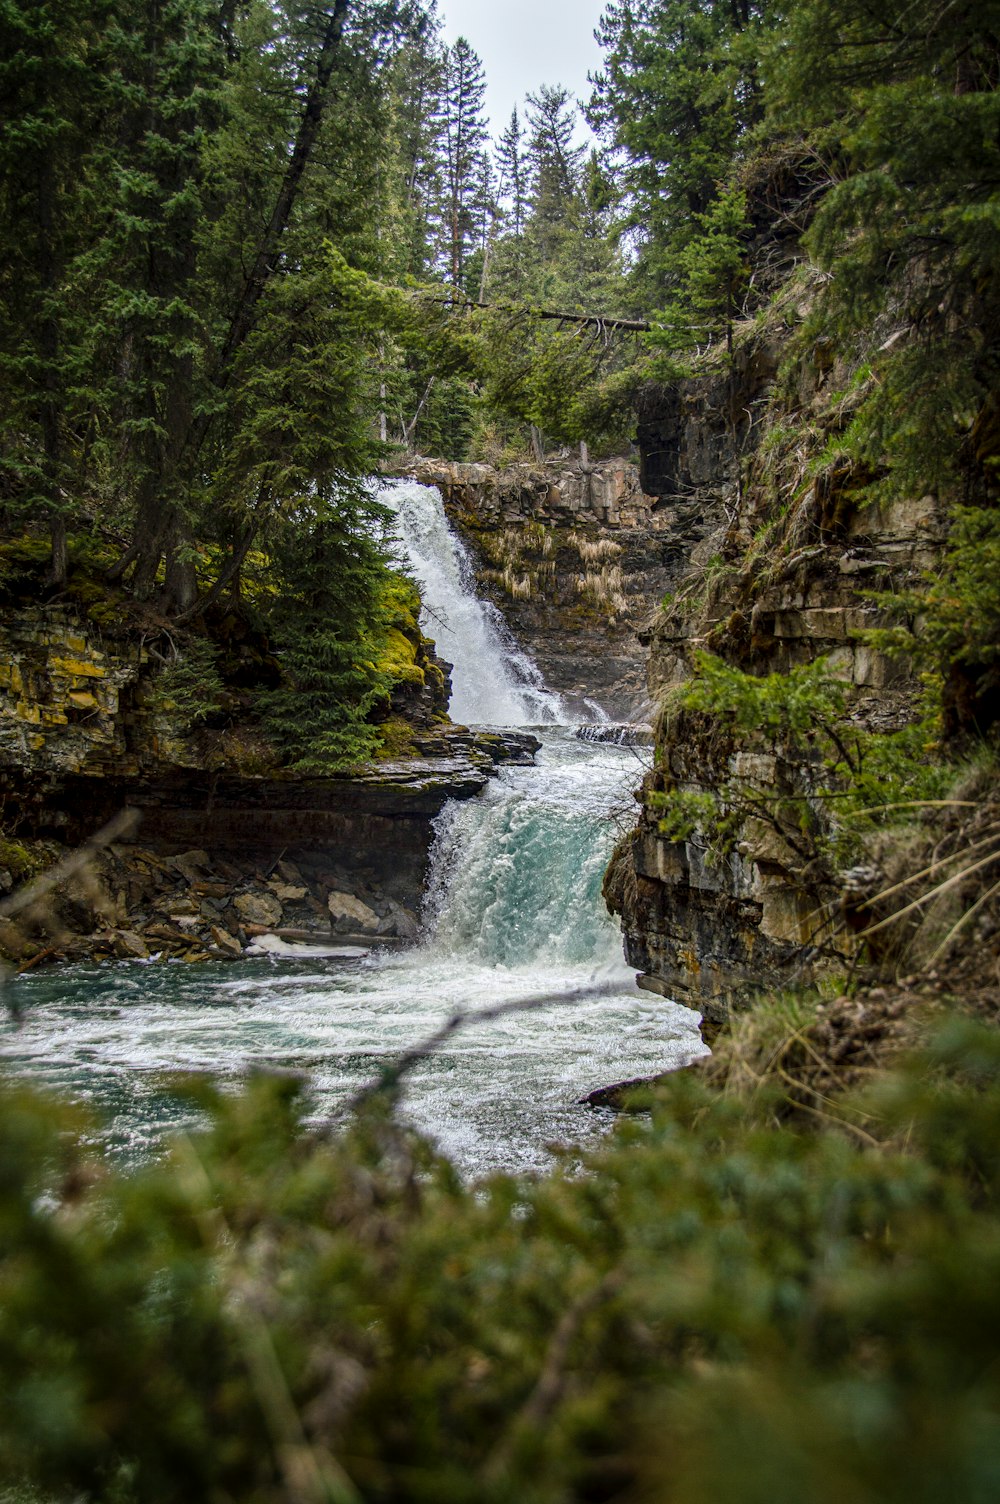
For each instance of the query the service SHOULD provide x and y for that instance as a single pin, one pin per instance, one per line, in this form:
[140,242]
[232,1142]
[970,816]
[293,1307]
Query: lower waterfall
[513,910]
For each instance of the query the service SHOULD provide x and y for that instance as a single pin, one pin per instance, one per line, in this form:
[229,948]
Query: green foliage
[189,686]
[951,626]
[183,352]
[331,622]
[676,94]
[835,781]
[717,1308]
[905,103]
[711,271]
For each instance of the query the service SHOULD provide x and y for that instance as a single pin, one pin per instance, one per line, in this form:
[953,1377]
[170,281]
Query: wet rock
[258,908]
[168,933]
[349,913]
[225,942]
[130,946]
[174,904]
[624,1096]
[398,922]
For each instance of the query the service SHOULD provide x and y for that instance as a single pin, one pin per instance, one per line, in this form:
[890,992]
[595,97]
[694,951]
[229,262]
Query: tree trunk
[305,140]
[180,581]
[409,428]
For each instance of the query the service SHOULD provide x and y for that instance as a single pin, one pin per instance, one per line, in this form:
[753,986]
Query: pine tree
[512,169]
[678,91]
[465,137]
[51,118]
[329,626]
[417,130]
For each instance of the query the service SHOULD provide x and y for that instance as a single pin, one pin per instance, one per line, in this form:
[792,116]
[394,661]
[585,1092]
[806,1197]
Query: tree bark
[409,428]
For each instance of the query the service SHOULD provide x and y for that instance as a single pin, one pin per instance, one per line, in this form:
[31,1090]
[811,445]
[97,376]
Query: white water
[513,910]
[494,683]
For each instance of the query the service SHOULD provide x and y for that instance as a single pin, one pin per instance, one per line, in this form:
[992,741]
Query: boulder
[349,914]
[225,942]
[258,908]
[399,922]
[130,946]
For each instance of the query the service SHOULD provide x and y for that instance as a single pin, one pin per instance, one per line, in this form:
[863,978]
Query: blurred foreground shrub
[718,1309]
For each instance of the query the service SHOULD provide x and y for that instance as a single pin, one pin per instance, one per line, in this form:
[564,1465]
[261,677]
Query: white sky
[525,43]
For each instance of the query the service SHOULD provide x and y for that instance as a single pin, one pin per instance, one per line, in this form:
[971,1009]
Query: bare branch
[392,1074]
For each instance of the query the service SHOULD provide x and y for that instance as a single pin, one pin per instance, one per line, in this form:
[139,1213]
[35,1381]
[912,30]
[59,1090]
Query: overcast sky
[525,43]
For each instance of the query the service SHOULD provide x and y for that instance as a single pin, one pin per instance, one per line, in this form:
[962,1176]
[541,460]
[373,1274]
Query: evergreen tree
[555,162]
[417,140]
[907,106]
[465,137]
[329,627]
[512,168]
[51,116]
[678,90]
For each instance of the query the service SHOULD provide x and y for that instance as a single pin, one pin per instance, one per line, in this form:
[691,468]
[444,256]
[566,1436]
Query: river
[513,910]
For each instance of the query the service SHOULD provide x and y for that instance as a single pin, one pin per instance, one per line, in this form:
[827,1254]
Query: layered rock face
[783,573]
[86,733]
[576,555]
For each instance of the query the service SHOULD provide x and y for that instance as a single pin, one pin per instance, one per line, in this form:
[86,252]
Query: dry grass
[594,550]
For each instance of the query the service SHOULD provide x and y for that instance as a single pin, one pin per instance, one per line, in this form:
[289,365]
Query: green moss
[17,859]
[397,739]
[398,659]
[401,602]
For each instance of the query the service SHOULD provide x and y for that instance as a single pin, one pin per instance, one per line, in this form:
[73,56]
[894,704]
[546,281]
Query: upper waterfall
[494,683]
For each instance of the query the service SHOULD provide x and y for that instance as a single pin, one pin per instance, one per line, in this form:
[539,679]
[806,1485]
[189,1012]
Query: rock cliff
[576,555]
[87,731]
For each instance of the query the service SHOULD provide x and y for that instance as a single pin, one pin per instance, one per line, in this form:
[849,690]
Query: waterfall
[620,734]
[494,683]
[516,876]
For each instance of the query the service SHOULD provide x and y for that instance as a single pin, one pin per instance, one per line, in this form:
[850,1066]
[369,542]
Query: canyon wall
[789,557]
[87,731]
[576,556]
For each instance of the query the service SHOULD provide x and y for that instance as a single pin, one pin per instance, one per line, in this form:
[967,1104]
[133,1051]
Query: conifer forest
[451,573]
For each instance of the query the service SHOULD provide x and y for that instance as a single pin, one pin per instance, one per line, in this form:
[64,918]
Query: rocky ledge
[216,862]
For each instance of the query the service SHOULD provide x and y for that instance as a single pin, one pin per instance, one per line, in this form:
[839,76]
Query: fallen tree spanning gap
[595,320]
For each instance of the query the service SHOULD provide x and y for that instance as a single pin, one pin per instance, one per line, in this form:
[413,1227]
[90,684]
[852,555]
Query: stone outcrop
[576,555]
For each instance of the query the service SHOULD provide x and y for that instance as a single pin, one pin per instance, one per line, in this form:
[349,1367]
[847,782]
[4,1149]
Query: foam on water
[526,921]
